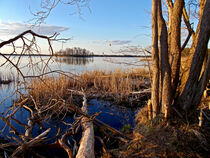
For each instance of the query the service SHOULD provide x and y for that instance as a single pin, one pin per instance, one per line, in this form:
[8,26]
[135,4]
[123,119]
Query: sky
[105,26]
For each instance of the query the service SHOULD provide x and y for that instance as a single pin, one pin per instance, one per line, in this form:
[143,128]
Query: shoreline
[83,56]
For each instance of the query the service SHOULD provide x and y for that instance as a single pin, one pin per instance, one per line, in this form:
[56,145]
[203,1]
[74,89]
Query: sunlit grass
[118,83]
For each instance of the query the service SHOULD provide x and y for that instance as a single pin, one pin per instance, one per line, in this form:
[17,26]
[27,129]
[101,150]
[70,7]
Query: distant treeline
[76,51]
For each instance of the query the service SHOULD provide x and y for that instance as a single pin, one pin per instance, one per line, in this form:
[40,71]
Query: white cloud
[113,42]
[119,42]
[14,28]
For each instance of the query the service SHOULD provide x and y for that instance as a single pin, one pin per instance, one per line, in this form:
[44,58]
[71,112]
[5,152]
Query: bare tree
[178,91]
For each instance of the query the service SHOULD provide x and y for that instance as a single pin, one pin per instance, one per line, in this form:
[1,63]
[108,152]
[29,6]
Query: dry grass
[56,95]
[156,139]
[117,84]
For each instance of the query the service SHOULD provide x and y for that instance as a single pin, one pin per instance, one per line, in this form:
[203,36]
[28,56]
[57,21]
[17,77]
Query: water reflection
[75,60]
[115,116]
[6,77]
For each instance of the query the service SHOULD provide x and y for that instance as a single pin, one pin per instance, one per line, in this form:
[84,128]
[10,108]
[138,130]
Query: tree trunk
[193,88]
[165,66]
[170,7]
[86,148]
[165,78]
[155,59]
[175,47]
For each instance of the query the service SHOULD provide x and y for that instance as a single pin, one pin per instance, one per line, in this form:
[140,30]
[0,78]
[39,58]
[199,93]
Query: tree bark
[155,59]
[165,66]
[202,83]
[170,7]
[199,49]
[86,148]
[175,47]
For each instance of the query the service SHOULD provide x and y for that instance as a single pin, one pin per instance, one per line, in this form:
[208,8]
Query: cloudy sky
[103,27]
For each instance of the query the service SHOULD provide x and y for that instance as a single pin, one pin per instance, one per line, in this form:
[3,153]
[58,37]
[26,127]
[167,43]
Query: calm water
[113,115]
[33,65]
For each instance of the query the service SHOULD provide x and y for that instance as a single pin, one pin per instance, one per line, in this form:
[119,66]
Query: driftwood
[95,120]
[32,143]
[145,91]
[63,145]
[86,149]
[29,128]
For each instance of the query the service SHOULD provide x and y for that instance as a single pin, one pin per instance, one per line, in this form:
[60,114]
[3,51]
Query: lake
[114,115]
[29,65]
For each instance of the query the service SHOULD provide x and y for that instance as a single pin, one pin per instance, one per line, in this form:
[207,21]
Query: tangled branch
[47,6]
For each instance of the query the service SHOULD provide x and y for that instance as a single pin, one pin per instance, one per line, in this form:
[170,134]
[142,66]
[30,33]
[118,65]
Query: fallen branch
[32,143]
[142,92]
[19,106]
[29,128]
[86,148]
[62,144]
[95,120]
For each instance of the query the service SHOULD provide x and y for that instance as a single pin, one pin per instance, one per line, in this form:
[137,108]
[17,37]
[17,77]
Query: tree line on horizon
[75,51]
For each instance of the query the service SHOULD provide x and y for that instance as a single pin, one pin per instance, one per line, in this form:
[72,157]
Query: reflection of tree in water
[6,77]
[75,60]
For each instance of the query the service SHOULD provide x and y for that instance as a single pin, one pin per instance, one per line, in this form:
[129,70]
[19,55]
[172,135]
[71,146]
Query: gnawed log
[86,149]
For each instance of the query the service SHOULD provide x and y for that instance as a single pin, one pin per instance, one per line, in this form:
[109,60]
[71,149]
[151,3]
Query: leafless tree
[170,89]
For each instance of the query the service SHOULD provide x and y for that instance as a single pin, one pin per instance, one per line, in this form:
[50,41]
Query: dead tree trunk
[86,149]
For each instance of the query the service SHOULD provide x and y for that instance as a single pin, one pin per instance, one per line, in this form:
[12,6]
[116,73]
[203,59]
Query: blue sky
[120,23]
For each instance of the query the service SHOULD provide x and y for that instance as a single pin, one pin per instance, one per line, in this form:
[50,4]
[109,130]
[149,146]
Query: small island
[75,51]
[82,52]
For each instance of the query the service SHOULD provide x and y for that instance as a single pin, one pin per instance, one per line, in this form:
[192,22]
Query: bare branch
[47,6]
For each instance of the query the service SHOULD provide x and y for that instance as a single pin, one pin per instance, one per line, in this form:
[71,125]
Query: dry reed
[118,84]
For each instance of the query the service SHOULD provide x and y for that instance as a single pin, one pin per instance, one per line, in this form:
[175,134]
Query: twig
[142,92]
[32,143]
[62,143]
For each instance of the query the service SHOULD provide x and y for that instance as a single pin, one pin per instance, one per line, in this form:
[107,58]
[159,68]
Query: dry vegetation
[56,95]
[155,139]
[119,86]
[149,138]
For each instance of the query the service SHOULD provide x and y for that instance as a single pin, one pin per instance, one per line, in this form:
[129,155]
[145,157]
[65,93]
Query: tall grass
[117,83]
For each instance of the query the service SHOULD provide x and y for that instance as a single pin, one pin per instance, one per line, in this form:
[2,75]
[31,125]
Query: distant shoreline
[96,55]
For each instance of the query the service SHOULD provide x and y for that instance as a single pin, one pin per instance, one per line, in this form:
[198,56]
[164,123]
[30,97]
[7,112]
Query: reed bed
[114,82]
[55,97]
[117,84]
